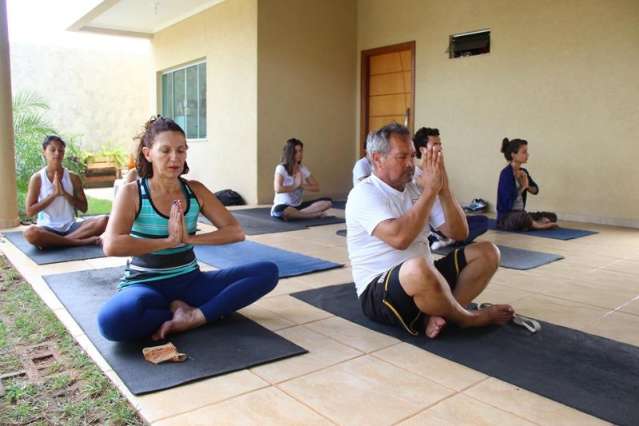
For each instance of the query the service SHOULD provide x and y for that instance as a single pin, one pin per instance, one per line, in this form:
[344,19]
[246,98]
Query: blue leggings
[137,311]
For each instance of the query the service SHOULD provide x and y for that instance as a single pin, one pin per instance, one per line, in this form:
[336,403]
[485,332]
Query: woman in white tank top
[54,195]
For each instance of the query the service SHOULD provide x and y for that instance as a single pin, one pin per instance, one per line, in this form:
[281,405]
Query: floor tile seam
[503,409]
[349,345]
[314,371]
[424,409]
[378,357]
[416,374]
[586,305]
[305,404]
[261,387]
[295,323]
[623,305]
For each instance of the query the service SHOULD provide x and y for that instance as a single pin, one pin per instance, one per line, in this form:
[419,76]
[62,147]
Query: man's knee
[421,276]
[487,252]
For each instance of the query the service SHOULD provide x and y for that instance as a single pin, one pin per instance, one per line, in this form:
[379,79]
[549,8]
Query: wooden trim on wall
[363,116]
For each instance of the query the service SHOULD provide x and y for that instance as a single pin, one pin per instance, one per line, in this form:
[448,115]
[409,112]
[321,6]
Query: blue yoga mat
[290,264]
[555,234]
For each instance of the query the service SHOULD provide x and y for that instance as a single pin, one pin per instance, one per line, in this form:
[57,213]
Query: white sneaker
[441,244]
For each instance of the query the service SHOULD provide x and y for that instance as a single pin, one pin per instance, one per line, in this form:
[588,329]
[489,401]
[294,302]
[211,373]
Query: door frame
[364,87]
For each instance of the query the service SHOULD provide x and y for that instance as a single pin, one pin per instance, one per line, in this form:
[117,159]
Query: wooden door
[387,88]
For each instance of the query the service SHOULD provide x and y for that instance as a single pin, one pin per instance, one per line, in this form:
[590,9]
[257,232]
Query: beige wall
[98,90]
[562,74]
[306,89]
[226,35]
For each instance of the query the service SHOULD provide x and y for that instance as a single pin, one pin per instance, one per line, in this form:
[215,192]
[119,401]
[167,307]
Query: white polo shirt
[370,202]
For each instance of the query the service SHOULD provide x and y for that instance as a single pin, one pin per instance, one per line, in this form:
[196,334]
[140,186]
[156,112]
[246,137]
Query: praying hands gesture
[57,185]
[434,176]
[177,226]
[522,177]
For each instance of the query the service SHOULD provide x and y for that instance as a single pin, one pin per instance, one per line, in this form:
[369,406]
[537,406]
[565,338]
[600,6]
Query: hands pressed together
[522,178]
[434,175]
[178,233]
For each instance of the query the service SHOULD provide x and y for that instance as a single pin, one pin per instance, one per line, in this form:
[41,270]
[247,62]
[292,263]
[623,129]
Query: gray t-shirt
[519,201]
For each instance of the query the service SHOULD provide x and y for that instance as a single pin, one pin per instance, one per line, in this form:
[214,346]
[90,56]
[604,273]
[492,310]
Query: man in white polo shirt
[387,222]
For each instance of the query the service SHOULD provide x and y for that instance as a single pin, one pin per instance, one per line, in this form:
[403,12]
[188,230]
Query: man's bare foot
[493,314]
[185,317]
[434,326]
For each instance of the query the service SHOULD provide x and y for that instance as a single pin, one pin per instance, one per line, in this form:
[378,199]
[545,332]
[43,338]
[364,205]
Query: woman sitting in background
[292,178]
[514,184]
[54,195]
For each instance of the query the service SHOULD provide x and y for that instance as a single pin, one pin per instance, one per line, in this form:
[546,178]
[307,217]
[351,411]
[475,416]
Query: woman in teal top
[154,221]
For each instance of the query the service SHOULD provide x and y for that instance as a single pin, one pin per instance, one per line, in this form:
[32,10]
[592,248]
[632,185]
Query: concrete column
[8,196]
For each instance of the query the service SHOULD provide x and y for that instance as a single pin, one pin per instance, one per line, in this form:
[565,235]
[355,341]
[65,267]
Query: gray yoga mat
[53,255]
[515,258]
[556,234]
[288,263]
[258,221]
[593,374]
[258,226]
[232,344]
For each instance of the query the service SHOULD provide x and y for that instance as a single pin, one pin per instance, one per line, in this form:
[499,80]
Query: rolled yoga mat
[555,234]
[593,374]
[515,258]
[53,255]
[290,264]
[231,344]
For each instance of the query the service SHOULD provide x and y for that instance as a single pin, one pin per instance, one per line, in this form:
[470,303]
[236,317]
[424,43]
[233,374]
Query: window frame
[184,67]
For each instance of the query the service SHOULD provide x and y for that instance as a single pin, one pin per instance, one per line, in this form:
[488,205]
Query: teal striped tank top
[150,223]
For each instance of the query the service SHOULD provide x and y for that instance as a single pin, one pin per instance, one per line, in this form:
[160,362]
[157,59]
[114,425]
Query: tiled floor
[349,372]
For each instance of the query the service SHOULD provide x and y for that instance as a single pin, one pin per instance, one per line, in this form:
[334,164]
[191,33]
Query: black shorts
[278,209]
[385,301]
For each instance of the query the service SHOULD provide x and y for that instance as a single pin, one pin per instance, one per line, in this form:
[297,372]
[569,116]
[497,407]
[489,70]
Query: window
[184,98]
[469,44]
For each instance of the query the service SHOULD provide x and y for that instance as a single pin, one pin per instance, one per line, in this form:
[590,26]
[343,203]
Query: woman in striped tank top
[154,221]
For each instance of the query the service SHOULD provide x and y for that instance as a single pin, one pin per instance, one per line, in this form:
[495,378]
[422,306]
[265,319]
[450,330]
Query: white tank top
[60,214]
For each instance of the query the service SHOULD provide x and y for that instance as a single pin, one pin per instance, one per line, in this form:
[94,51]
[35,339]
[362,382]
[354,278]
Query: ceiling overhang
[138,18]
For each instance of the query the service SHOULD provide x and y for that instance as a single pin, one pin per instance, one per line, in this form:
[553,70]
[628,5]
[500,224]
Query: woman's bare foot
[185,317]
[434,326]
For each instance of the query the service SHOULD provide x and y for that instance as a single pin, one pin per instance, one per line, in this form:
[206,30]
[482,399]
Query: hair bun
[504,145]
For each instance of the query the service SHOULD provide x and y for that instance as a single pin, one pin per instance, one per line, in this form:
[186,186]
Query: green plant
[110,152]
[30,126]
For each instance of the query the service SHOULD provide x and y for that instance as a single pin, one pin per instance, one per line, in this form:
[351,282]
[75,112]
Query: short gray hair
[379,141]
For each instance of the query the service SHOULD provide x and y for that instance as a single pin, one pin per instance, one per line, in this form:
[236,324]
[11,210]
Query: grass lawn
[97,206]
[37,387]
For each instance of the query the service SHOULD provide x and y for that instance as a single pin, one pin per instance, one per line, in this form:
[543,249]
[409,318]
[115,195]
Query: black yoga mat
[593,374]
[232,344]
[237,254]
[258,221]
[515,258]
[555,234]
[52,255]
[340,204]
